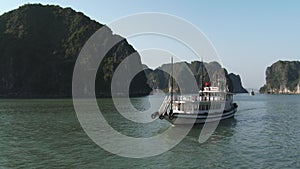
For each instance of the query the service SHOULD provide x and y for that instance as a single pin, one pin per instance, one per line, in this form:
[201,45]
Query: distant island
[158,79]
[39,45]
[282,77]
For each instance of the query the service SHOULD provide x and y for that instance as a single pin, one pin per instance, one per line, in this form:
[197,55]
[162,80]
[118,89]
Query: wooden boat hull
[183,118]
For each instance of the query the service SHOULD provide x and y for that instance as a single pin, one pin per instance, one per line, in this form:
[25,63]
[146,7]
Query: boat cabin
[208,99]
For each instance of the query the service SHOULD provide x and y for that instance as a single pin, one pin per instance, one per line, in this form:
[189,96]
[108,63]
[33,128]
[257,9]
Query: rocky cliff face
[236,84]
[282,77]
[38,49]
[211,72]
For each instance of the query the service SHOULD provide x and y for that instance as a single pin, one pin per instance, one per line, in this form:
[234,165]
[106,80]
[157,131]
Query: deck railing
[198,98]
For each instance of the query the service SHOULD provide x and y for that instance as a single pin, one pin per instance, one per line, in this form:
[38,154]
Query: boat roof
[213,90]
[216,92]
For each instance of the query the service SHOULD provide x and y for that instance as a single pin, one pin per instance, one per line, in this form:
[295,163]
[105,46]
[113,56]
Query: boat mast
[171,110]
[202,75]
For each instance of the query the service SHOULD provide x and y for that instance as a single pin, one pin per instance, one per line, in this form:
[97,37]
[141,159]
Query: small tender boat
[207,106]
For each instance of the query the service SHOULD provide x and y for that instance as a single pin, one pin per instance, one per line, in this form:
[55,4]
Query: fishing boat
[209,105]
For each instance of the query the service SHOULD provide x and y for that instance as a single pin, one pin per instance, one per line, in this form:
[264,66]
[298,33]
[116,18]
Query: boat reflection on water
[225,129]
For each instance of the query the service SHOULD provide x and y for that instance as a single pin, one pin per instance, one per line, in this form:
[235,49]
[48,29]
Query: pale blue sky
[248,35]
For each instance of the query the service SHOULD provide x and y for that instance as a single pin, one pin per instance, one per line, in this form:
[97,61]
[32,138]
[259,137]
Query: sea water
[45,133]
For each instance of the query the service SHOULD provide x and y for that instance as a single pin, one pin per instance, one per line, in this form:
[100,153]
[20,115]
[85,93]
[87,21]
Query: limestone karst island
[282,77]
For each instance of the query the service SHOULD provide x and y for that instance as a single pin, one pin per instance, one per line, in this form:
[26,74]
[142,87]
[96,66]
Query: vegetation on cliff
[39,46]
[282,77]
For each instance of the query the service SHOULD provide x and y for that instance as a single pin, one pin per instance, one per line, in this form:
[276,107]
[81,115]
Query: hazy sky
[248,35]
